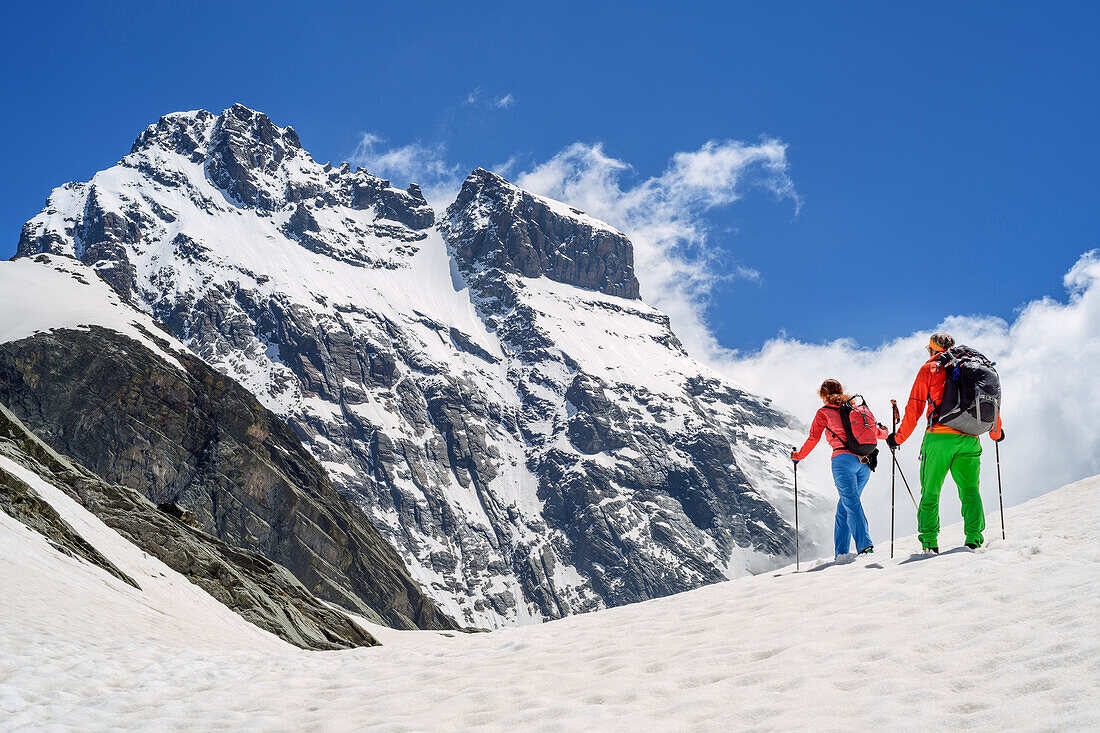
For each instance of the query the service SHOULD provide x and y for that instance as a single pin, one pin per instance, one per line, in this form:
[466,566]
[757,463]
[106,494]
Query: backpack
[860,430]
[971,392]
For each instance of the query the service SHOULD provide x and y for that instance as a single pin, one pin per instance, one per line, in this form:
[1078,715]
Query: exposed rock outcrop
[197,440]
[259,590]
[495,224]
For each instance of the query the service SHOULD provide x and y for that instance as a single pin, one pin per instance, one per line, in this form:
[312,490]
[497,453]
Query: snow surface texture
[77,598]
[999,639]
[329,294]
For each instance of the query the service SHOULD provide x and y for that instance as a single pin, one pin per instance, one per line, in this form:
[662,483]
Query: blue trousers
[851,478]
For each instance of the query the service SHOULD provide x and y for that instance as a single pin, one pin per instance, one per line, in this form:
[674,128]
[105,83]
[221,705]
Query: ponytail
[833,393]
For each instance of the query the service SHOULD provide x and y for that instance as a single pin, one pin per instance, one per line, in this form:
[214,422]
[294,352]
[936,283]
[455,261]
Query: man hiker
[943,449]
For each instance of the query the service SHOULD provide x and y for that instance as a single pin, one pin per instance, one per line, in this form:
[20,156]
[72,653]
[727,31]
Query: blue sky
[945,155]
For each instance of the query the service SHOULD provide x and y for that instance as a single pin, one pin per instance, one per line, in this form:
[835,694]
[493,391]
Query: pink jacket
[827,420]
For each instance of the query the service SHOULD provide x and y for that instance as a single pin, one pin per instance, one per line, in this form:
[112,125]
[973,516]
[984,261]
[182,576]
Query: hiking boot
[867,551]
[931,550]
[971,545]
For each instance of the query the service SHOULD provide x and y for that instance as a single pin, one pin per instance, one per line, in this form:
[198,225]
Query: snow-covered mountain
[1000,639]
[486,384]
[142,419]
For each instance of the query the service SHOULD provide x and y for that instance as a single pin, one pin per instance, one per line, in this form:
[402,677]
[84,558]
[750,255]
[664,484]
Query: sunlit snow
[999,639]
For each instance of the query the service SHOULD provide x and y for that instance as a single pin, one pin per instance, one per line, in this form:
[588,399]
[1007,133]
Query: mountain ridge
[487,385]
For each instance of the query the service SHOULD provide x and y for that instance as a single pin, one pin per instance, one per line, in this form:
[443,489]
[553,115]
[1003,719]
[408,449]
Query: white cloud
[748,273]
[412,161]
[1048,359]
[506,168]
[368,140]
[665,217]
[477,99]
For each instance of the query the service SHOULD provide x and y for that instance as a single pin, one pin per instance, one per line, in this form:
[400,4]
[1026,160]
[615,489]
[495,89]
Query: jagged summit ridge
[227,164]
[502,226]
[489,389]
[239,146]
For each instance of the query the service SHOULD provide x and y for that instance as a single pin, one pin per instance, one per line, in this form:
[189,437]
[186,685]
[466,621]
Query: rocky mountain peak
[180,132]
[490,390]
[245,148]
[231,164]
[186,132]
[495,224]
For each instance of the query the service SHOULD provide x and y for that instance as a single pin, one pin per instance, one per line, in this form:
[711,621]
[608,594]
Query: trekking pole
[1000,497]
[893,472]
[797,561]
[902,474]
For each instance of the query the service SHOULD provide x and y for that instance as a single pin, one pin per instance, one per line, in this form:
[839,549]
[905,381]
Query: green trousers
[961,455]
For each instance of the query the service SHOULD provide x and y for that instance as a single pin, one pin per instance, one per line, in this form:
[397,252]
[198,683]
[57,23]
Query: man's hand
[892,441]
[794,453]
[1000,437]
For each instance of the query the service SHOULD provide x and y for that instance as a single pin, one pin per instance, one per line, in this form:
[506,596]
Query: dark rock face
[246,145]
[593,426]
[260,591]
[197,440]
[409,207]
[181,133]
[495,224]
[19,501]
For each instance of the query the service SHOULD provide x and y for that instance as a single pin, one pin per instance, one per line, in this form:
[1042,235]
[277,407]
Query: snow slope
[51,292]
[1000,639]
[66,601]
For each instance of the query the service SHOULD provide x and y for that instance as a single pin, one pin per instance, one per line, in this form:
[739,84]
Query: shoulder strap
[943,359]
[845,423]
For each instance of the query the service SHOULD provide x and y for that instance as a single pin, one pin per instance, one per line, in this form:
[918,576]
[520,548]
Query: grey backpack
[971,392]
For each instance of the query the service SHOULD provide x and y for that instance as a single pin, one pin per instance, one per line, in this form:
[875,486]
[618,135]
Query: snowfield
[50,293]
[1005,638]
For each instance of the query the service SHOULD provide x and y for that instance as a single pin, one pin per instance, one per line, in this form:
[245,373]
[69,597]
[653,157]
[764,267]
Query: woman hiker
[849,473]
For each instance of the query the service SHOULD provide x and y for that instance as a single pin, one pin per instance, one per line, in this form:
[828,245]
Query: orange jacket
[928,391]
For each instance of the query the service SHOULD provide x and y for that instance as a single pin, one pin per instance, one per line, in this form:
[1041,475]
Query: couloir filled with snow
[1004,638]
